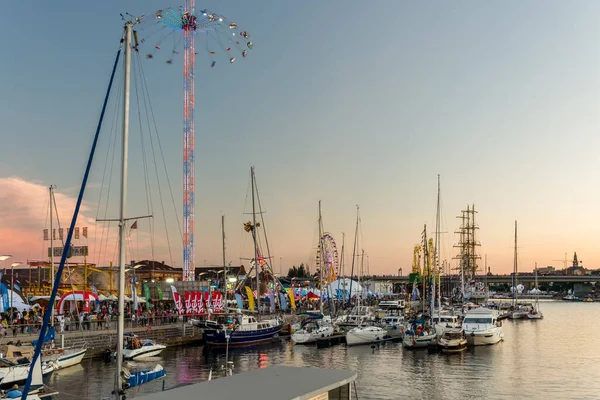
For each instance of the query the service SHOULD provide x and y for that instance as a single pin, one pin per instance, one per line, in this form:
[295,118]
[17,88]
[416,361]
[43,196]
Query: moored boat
[136,349]
[365,335]
[453,340]
[313,328]
[245,330]
[482,328]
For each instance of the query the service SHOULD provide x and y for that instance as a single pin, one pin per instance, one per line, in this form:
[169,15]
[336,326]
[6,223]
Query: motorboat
[442,322]
[137,378]
[365,334]
[453,340]
[482,327]
[587,300]
[316,326]
[393,326]
[135,348]
[242,331]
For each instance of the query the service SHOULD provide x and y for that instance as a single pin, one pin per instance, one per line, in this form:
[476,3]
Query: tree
[298,272]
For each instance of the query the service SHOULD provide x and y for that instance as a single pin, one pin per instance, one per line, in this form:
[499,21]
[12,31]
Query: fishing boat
[453,340]
[244,330]
[139,349]
[482,327]
[313,328]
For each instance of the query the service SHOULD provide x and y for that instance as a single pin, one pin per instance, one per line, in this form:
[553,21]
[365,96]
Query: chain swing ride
[219,37]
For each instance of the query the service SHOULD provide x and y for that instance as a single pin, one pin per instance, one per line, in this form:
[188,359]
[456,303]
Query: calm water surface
[557,357]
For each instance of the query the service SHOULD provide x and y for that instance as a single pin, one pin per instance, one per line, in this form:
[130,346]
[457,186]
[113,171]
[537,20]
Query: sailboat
[517,312]
[535,312]
[317,326]
[367,331]
[245,329]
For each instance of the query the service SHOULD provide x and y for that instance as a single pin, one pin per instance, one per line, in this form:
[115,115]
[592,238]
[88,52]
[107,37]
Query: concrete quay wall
[97,341]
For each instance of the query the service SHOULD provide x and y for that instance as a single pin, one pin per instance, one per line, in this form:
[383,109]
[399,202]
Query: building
[549,270]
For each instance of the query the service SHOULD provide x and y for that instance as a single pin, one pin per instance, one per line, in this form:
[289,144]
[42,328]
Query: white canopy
[342,287]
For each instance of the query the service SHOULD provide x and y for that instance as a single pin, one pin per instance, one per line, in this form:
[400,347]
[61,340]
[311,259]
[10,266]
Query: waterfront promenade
[98,337]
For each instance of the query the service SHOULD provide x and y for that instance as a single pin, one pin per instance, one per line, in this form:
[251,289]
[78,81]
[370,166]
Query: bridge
[495,279]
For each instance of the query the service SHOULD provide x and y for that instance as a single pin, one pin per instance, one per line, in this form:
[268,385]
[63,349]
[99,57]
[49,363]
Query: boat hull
[359,336]
[418,342]
[535,316]
[303,337]
[143,352]
[217,337]
[138,378]
[69,359]
[453,346]
[484,338]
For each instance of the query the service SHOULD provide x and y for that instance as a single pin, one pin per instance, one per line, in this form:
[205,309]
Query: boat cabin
[283,383]
[16,353]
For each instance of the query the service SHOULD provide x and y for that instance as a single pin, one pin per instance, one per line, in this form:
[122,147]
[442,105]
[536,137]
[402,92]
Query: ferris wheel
[328,250]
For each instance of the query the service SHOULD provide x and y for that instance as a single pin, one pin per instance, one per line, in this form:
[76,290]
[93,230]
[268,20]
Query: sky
[351,103]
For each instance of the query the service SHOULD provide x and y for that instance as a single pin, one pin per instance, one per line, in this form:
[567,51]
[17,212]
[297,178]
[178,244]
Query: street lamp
[12,280]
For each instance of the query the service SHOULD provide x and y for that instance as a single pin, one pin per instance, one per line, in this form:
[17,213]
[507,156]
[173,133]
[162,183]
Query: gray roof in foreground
[273,383]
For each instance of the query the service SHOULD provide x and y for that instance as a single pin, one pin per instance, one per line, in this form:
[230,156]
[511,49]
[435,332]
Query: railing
[73,327]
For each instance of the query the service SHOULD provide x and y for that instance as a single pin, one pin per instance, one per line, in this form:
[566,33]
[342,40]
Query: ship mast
[254,233]
[51,251]
[320,260]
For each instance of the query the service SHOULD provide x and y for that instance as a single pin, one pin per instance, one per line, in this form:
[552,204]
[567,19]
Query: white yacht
[443,322]
[355,318]
[365,334]
[136,349]
[315,327]
[482,327]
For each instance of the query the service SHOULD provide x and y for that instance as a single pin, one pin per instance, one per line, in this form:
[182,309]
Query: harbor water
[556,357]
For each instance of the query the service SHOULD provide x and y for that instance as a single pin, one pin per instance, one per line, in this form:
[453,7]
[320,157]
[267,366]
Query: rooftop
[284,383]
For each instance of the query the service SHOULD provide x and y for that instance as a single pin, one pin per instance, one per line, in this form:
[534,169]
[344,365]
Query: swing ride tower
[189,26]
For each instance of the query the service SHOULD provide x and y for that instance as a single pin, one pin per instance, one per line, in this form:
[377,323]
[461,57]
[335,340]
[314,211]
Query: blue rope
[63,258]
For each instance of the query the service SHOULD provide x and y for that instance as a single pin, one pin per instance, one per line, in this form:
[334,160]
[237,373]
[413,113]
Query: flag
[54,233]
[188,302]
[60,233]
[250,298]
[160,293]
[200,303]
[240,302]
[271,301]
[46,234]
[77,233]
[84,231]
[283,302]
[177,299]
[134,225]
[217,300]
[146,292]
[134,293]
[292,299]
[194,302]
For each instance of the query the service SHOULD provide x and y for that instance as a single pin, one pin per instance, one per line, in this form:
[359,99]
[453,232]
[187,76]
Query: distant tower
[575,261]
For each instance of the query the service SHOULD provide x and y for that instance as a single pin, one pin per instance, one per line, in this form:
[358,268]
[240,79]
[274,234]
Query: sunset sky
[352,103]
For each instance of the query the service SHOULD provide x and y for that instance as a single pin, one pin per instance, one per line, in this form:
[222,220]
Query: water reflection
[547,357]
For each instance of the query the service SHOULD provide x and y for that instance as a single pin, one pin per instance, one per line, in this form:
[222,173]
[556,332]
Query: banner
[77,233]
[146,292]
[54,233]
[250,298]
[207,300]
[217,300]
[292,299]
[84,231]
[283,302]
[177,299]
[4,293]
[188,302]
[240,301]
[46,234]
[194,302]
[133,293]
[160,293]
[200,303]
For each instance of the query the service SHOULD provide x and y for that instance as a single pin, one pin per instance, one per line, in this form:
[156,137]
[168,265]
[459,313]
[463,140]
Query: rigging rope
[63,259]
